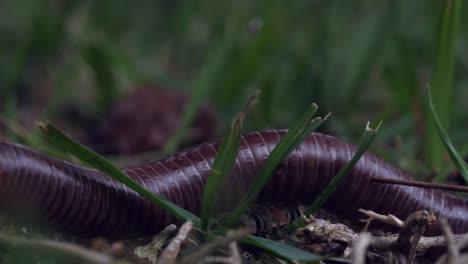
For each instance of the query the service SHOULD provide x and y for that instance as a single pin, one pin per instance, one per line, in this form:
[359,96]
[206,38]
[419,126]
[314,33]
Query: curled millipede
[84,202]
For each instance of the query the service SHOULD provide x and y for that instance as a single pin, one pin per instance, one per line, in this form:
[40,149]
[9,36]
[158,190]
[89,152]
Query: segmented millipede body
[84,202]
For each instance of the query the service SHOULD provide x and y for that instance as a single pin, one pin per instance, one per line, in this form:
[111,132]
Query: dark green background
[360,60]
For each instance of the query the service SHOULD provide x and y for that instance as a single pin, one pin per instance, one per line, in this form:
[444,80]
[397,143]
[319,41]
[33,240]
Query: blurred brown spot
[146,118]
[99,244]
[117,249]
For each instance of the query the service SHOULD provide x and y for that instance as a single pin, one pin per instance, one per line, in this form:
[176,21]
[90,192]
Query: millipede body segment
[84,202]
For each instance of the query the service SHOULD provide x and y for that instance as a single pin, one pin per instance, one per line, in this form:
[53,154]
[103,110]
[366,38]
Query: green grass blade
[290,141]
[31,138]
[94,160]
[457,159]
[281,250]
[366,141]
[443,79]
[222,166]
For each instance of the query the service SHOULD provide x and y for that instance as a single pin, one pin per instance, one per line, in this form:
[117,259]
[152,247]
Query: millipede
[85,202]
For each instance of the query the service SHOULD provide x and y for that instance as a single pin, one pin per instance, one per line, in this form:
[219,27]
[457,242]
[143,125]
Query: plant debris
[153,249]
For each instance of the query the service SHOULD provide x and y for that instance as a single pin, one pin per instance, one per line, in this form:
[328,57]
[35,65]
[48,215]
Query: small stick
[235,254]
[360,247]
[207,248]
[389,219]
[429,185]
[169,255]
[453,253]
[152,250]
[412,231]
[325,231]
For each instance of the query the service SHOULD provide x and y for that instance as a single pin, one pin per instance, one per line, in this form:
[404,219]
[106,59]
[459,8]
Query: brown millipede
[85,202]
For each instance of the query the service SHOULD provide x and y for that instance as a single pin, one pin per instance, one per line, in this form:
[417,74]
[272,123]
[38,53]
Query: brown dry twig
[429,185]
[151,251]
[360,248]
[389,219]
[206,249]
[322,230]
[235,254]
[169,254]
[412,231]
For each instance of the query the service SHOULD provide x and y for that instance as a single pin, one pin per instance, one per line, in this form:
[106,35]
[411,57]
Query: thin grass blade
[222,166]
[32,139]
[290,141]
[443,79]
[457,159]
[366,141]
[98,162]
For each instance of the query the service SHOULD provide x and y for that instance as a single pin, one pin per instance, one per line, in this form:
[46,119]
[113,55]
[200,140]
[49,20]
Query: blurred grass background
[362,60]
